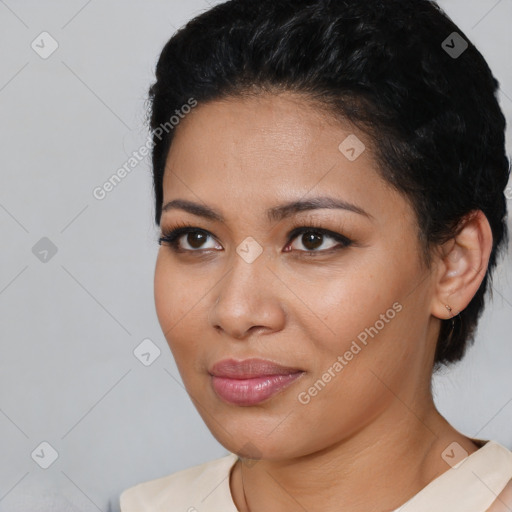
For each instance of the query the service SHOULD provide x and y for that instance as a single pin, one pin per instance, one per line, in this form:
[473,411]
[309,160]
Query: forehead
[268,148]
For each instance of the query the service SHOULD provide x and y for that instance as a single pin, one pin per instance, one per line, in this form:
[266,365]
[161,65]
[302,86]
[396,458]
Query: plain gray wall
[69,324]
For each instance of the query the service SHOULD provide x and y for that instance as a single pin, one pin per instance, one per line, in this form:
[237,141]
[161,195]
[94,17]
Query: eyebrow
[275,214]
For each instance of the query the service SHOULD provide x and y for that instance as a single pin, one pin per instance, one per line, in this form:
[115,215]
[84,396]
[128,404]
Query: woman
[329,179]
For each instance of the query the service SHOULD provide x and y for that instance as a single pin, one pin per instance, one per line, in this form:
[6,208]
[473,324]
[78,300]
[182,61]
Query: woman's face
[350,320]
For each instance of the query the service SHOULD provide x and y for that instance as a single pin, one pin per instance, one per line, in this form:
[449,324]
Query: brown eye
[317,240]
[312,240]
[188,239]
[196,238]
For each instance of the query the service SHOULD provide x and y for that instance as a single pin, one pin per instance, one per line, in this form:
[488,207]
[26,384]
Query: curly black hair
[424,95]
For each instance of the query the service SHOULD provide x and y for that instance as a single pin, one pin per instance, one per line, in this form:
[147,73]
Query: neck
[377,468]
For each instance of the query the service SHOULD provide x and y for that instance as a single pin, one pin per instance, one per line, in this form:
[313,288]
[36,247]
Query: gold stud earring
[452,318]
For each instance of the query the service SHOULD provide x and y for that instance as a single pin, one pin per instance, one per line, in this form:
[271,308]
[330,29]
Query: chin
[250,442]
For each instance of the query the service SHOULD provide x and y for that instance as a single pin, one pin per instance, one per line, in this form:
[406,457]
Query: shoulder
[488,481]
[502,466]
[503,502]
[492,467]
[181,489]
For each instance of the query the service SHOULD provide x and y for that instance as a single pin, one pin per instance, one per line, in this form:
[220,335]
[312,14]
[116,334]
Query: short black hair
[424,95]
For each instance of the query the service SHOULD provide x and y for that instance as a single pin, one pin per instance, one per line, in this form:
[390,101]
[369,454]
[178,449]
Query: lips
[249,368]
[250,381]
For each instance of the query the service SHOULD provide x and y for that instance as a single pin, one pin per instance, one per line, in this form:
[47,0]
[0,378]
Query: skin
[372,437]
[503,502]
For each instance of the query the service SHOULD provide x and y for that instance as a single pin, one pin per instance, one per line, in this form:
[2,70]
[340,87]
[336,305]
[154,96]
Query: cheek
[363,315]
[163,288]
[178,307]
[343,303]
[174,296]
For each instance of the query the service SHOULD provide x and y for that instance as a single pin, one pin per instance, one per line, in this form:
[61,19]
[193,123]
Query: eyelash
[172,235]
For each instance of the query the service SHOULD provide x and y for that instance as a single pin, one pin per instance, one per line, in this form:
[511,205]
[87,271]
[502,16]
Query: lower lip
[251,391]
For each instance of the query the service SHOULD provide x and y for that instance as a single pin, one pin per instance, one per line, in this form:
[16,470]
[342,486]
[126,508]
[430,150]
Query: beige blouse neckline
[469,486]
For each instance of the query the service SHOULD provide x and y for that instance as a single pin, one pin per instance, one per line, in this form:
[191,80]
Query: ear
[461,266]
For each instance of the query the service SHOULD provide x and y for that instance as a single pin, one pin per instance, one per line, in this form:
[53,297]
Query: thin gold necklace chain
[243,486]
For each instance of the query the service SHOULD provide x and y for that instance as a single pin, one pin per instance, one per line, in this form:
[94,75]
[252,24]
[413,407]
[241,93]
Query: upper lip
[249,368]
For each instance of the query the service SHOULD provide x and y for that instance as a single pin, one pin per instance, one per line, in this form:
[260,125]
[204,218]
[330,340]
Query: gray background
[69,325]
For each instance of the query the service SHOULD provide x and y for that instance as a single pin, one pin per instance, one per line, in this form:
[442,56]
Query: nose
[247,300]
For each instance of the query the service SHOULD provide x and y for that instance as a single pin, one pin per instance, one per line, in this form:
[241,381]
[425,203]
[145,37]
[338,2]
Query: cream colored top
[472,485]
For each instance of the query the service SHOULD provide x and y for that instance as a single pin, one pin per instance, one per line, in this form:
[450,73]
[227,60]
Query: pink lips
[250,381]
